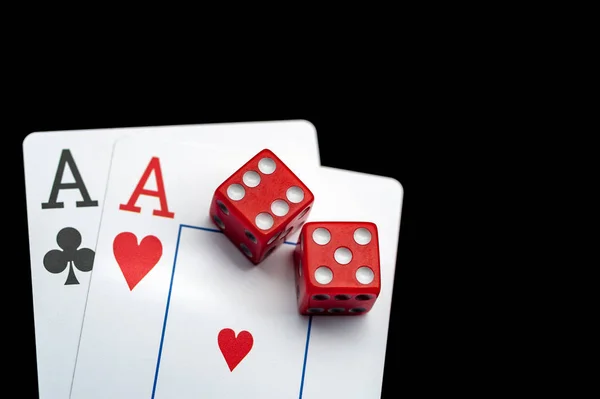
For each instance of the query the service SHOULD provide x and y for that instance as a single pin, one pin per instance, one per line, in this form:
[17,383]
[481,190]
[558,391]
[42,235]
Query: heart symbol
[234,349]
[136,260]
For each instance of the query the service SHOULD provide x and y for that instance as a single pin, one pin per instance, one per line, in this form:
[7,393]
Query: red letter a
[154,165]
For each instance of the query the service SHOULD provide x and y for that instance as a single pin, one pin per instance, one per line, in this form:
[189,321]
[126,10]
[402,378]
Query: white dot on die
[273,238]
[365,275]
[285,233]
[280,207]
[219,222]
[321,236]
[323,275]
[251,178]
[342,255]
[267,166]
[246,250]
[301,215]
[222,207]
[362,236]
[294,194]
[264,221]
[236,192]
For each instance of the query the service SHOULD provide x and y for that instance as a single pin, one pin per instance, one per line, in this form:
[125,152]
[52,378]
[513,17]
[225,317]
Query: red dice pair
[337,263]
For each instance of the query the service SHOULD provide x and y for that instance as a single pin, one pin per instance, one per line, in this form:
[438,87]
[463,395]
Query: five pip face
[337,263]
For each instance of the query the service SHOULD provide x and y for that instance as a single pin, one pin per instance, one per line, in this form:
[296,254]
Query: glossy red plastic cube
[337,268]
[261,204]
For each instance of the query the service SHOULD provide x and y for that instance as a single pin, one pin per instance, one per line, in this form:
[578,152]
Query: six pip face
[261,204]
[337,268]
[337,263]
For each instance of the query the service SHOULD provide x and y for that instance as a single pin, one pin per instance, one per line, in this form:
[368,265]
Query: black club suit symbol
[57,260]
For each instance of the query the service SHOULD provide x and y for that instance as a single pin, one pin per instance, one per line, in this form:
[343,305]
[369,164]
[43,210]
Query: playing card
[65,175]
[176,311]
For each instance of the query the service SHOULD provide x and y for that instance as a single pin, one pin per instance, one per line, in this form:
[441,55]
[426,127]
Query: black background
[369,133]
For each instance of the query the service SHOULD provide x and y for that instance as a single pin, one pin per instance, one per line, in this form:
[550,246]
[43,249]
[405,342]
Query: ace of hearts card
[66,173]
[175,310]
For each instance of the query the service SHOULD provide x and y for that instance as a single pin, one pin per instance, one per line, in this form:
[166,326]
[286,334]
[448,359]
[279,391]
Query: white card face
[79,161]
[192,317]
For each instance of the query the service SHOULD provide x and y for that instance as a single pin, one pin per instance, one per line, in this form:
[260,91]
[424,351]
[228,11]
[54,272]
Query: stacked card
[137,294]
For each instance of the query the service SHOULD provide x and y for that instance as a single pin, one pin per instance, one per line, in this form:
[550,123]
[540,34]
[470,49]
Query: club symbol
[56,260]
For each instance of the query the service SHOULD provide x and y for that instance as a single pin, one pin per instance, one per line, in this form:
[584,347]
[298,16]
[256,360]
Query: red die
[260,204]
[337,268]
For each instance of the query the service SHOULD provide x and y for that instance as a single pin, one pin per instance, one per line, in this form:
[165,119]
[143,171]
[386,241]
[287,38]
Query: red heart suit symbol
[136,260]
[234,349]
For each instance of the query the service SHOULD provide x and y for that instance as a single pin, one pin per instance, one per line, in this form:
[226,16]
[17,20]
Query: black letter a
[67,158]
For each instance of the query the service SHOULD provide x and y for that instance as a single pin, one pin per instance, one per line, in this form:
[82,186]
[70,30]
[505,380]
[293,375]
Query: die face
[266,202]
[340,267]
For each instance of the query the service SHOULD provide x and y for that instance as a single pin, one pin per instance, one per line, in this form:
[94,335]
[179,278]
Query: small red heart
[234,349]
[136,260]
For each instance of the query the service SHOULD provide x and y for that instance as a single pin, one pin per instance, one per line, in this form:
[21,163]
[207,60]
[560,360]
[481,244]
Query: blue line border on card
[164,327]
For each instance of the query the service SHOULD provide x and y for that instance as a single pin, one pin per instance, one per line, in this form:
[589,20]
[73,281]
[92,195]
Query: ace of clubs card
[175,310]
[66,173]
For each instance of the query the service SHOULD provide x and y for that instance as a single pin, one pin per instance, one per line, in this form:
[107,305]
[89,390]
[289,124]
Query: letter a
[67,158]
[153,166]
